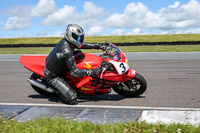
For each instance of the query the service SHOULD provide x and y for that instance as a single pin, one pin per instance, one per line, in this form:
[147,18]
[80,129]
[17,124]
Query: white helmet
[75,35]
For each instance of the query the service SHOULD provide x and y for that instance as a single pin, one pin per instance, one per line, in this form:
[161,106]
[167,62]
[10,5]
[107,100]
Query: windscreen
[115,53]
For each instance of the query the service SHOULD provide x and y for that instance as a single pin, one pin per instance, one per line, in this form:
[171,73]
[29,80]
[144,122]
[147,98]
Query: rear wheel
[135,87]
[38,90]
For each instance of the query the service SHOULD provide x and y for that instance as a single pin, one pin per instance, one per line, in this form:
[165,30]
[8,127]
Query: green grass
[58,125]
[42,40]
[144,38]
[26,50]
[159,48]
[102,39]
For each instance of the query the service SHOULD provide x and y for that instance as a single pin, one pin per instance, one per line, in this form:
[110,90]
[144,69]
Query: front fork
[126,88]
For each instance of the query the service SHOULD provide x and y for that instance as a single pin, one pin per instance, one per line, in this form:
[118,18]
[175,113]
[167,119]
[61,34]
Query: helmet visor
[78,38]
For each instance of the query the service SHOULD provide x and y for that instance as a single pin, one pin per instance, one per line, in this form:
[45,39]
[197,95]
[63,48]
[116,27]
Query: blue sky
[47,18]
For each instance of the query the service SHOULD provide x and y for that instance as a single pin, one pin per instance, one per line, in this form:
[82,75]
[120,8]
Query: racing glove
[107,43]
[103,46]
[93,72]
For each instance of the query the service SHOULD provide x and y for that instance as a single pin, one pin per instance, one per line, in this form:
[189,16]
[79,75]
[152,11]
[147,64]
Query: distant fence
[118,44]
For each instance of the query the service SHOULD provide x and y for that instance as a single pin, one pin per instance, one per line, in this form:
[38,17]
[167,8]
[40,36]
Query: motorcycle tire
[40,91]
[136,87]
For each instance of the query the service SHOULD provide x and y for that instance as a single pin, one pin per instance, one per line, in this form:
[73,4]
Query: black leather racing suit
[60,60]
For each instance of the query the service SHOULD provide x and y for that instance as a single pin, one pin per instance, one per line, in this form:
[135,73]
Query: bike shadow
[81,99]
[105,97]
[51,99]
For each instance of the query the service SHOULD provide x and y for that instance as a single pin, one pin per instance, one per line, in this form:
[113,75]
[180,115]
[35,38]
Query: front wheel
[135,87]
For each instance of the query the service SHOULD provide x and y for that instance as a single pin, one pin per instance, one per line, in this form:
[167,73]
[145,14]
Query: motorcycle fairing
[104,85]
[114,76]
[121,67]
[34,63]
[87,61]
[129,75]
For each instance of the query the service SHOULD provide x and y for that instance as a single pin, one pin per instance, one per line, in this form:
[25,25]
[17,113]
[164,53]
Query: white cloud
[16,23]
[176,5]
[56,34]
[165,33]
[137,15]
[186,15]
[60,17]
[118,32]
[136,31]
[66,15]
[43,8]
[90,16]
[92,11]
[19,10]
[21,15]
[94,31]
[189,31]
[21,35]
[41,34]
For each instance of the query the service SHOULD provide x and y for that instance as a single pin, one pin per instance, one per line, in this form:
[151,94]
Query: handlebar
[108,48]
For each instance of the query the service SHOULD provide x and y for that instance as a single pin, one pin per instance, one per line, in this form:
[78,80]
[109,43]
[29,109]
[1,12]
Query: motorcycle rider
[61,59]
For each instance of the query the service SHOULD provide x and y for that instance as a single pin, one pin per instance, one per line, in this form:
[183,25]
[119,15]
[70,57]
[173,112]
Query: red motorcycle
[115,74]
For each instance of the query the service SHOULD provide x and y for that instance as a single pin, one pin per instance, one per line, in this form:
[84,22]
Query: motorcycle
[115,74]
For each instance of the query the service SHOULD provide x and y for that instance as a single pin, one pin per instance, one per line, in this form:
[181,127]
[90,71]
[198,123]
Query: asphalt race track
[173,81]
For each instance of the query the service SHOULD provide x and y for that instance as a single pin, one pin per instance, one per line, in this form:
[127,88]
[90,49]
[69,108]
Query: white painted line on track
[100,106]
[171,117]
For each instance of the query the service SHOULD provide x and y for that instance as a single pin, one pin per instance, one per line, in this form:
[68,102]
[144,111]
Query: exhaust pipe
[41,85]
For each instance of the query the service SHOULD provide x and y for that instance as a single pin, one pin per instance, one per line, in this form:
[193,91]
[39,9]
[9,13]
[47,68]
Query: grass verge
[159,48]
[59,125]
[102,39]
